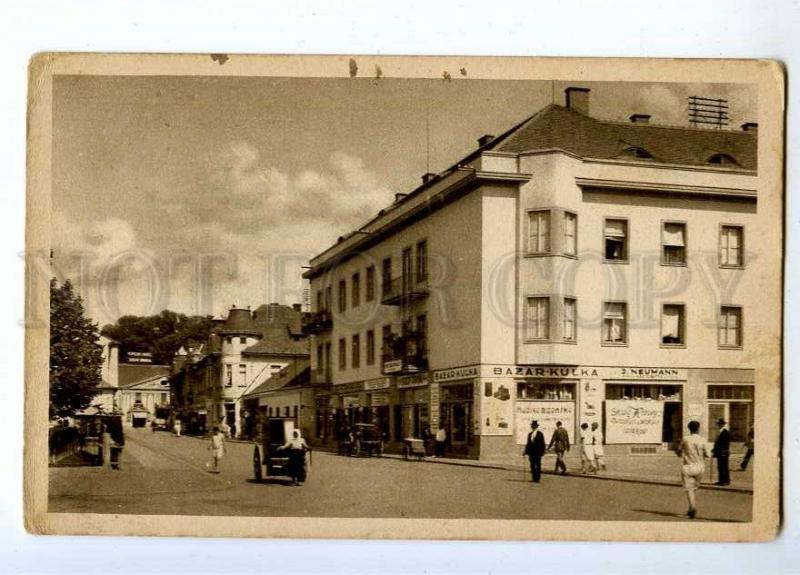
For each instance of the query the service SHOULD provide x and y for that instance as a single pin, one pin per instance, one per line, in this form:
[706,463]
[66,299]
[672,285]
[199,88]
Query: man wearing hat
[722,451]
[534,449]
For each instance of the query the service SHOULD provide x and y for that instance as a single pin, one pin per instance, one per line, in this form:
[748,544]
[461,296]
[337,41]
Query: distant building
[106,400]
[242,352]
[143,388]
[570,269]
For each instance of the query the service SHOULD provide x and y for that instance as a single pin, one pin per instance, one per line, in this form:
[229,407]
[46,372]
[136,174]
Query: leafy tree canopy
[161,334]
[75,354]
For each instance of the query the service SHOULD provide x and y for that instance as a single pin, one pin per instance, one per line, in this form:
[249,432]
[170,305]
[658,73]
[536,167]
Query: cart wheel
[257,473]
[407,452]
[356,451]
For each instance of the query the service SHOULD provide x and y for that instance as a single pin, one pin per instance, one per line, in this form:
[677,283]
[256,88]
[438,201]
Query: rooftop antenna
[708,112]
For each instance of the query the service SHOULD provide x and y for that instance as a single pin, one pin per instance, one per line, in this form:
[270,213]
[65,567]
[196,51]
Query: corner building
[570,269]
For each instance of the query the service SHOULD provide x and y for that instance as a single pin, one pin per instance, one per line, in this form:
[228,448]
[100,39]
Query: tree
[75,354]
[161,334]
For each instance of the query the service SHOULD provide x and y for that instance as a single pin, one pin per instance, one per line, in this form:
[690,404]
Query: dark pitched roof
[135,372]
[239,321]
[152,382]
[562,128]
[295,374]
[281,329]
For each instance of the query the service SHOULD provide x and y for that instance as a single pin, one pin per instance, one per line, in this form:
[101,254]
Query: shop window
[370,347]
[731,246]
[355,354]
[370,283]
[342,354]
[673,325]
[615,329]
[616,240]
[643,391]
[539,232]
[356,290]
[537,318]
[342,296]
[673,244]
[731,392]
[570,311]
[539,390]
[570,234]
[422,260]
[730,326]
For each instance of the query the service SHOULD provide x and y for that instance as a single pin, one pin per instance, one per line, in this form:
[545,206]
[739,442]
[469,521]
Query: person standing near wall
[587,450]
[559,443]
[750,447]
[597,446]
[722,451]
[694,452]
[441,439]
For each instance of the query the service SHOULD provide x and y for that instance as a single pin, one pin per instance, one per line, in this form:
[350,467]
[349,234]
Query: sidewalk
[662,469]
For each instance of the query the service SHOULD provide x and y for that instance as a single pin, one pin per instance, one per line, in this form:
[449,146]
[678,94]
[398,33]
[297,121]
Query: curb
[642,480]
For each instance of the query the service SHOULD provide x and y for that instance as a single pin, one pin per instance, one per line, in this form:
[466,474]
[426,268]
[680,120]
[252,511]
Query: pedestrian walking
[559,443]
[722,451]
[177,427]
[534,449]
[224,428]
[597,445]
[587,450]
[750,447]
[694,452]
[441,439]
[427,440]
[217,448]
[297,447]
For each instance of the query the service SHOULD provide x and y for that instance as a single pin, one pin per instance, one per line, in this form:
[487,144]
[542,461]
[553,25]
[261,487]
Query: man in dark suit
[534,449]
[722,451]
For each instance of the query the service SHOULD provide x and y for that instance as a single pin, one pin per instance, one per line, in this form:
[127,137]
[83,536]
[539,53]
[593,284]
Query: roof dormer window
[723,160]
[637,153]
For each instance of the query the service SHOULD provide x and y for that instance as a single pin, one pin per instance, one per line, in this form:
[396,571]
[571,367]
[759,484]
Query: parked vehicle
[270,459]
[367,439]
[162,417]
[413,447]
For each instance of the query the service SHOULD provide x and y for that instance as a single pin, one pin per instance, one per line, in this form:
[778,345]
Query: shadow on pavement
[685,518]
[272,481]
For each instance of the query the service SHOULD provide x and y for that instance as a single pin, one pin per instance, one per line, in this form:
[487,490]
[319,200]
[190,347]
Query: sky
[197,193]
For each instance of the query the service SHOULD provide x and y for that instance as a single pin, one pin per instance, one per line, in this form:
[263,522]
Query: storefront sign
[351,387]
[645,373]
[543,371]
[379,399]
[546,413]
[632,421]
[378,383]
[495,412]
[393,366]
[567,372]
[414,380]
[456,373]
[350,401]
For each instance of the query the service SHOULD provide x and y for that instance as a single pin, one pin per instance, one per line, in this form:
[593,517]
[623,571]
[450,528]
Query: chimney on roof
[640,118]
[399,196]
[427,177]
[578,99]
[750,127]
[485,139]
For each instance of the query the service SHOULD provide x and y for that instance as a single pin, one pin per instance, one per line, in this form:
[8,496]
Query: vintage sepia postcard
[404,297]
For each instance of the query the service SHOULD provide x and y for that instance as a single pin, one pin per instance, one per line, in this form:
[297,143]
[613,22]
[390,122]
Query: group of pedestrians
[592,452]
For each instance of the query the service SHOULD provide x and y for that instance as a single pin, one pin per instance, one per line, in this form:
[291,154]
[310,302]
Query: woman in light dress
[587,450]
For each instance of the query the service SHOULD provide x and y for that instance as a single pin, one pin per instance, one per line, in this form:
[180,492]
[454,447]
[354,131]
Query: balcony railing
[404,289]
[405,354]
[318,322]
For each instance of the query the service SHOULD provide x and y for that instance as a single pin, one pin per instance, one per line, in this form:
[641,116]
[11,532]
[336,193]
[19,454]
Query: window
[546,390]
[228,340]
[342,354]
[570,306]
[386,276]
[328,306]
[320,358]
[356,289]
[539,232]
[243,373]
[643,391]
[615,324]
[422,260]
[570,234]
[342,296]
[730,326]
[228,375]
[731,246]
[242,340]
[422,331]
[370,283]
[538,318]
[370,347]
[137,397]
[355,354]
[386,337]
[320,303]
[328,360]
[673,244]
[163,399]
[673,326]
[616,240]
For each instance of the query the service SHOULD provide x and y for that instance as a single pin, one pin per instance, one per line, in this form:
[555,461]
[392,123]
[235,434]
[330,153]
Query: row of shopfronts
[486,410]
